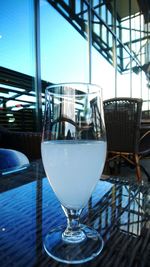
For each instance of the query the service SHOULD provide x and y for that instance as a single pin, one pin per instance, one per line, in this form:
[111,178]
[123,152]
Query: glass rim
[92,85]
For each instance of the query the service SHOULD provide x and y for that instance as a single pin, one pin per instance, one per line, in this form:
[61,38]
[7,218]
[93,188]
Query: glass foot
[69,252]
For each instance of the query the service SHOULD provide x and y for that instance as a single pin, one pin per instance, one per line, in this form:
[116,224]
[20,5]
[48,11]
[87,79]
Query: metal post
[115,45]
[141,74]
[38,89]
[130,48]
[90,41]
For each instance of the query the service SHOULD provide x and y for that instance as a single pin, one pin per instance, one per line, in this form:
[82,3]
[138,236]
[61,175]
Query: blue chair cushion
[11,158]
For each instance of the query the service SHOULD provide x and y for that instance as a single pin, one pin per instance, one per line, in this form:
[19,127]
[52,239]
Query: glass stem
[73,232]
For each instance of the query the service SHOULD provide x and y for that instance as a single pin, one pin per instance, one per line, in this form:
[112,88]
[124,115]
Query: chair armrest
[144,135]
[144,144]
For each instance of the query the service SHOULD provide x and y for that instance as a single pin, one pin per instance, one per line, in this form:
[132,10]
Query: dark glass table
[118,209]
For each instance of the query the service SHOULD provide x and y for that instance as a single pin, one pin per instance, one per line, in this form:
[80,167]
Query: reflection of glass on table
[118,210]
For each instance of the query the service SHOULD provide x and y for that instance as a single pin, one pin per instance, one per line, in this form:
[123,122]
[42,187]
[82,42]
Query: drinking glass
[73,153]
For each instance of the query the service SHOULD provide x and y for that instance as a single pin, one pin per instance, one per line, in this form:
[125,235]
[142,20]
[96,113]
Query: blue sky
[16,31]
[64,52]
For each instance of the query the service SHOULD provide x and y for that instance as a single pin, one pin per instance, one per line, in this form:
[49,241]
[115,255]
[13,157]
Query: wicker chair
[122,119]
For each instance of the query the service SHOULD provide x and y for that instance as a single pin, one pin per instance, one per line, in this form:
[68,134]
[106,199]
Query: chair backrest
[122,120]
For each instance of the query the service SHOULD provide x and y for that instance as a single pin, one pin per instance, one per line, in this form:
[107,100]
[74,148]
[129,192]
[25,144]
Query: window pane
[17,69]
[64,52]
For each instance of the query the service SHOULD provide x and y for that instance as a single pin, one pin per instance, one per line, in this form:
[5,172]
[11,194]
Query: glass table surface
[118,209]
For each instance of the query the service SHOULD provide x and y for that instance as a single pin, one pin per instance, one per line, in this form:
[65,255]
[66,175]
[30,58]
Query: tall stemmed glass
[73,153]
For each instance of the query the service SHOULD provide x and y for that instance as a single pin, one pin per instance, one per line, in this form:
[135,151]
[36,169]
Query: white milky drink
[73,169]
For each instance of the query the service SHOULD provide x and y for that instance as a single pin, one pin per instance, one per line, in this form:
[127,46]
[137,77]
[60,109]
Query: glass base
[69,252]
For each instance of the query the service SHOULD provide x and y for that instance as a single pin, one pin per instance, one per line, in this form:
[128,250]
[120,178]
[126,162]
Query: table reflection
[29,208]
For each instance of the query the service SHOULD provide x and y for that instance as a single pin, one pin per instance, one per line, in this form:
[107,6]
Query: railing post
[38,88]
